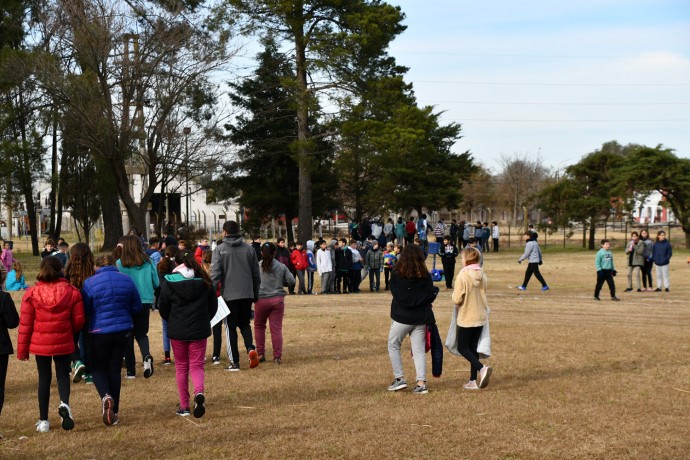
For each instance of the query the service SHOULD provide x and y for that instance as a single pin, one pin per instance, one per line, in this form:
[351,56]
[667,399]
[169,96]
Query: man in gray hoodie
[234,264]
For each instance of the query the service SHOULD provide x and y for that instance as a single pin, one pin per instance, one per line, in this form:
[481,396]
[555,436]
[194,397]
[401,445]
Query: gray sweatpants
[418,338]
[662,275]
[326,278]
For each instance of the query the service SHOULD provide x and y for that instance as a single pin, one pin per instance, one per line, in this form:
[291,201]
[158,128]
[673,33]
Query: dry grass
[574,378]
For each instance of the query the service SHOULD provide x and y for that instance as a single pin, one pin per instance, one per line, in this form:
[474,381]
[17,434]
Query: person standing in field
[271,304]
[448,252]
[469,297]
[234,264]
[389,261]
[533,256]
[400,232]
[635,252]
[51,313]
[648,262]
[373,263]
[411,310]
[411,230]
[111,299]
[298,258]
[324,266]
[605,270]
[9,319]
[188,303]
[495,235]
[135,263]
[661,255]
[311,266]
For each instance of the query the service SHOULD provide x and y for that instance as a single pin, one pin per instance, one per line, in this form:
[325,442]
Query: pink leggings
[189,358]
[271,309]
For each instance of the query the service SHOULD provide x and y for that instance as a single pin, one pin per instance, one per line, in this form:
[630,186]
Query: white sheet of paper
[222,312]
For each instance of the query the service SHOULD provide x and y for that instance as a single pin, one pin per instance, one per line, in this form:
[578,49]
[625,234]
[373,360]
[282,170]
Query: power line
[544,84]
[515,120]
[560,103]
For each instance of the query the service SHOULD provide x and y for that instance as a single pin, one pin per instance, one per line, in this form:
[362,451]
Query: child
[15,278]
[298,257]
[661,255]
[111,300]
[635,252]
[472,242]
[182,245]
[188,302]
[533,255]
[324,266]
[9,319]
[203,246]
[389,260]
[7,256]
[153,251]
[62,253]
[80,267]
[311,266]
[356,267]
[448,254]
[166,267]
[52,312]
[469,297]
[271,304]
[374,262]
[343,263]
[605,270]
[48,249]
[283,256]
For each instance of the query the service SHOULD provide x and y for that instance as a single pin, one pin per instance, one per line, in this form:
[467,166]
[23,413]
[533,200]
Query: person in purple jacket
[111,299]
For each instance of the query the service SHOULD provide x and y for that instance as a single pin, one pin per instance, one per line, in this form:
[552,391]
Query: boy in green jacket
[605,270]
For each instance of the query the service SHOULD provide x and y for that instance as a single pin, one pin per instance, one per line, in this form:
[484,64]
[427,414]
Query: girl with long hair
[80,266]
[206,256]
[51,313]
[165,267]
[188,302]
[411,310]
[15,278]
[135,263]
[271,304]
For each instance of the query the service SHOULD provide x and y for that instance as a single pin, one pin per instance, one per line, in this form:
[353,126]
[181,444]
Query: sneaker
[115,420]
[215,360]
[420,390]
[183,412]
[107,404]
[630,290]
[278,361]
[262,358]
[166,362]
[484,375]
[78,369]
[471,385]
[88,379]
[233,367]
[148,366]
[66,414]
[253,359]
[199,409]
[131,376]
[615,299]
[521,288]
[43,426]
[657,290]
[596,297]
[639,290]
[398,384]
[545,288]
[667,290]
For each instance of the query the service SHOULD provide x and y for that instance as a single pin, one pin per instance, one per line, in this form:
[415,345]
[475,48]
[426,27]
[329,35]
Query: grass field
[573,378]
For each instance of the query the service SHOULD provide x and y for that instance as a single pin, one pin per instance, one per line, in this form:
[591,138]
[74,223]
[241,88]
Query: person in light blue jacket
[15,278]
[111,299]
[533,256]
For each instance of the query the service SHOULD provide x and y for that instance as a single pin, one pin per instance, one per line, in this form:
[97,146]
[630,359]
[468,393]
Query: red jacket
[299,259]
[51,314]
[198,254]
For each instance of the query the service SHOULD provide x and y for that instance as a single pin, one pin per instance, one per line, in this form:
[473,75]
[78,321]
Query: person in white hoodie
[324,266]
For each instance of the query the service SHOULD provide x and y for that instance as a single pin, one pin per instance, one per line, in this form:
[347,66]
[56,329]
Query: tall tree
[520,180]
[327,38]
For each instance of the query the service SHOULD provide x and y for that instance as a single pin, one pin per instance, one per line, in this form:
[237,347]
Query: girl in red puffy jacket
[51,313]
[299,260]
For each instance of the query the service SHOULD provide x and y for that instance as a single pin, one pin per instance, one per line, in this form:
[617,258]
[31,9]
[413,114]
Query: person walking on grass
[234,264]
[165,267]
[411,310]
[605,270]
[469,297]
[389,260]
[188,302]
[635,252]
[448,252]
[533,256]
[271,304]
[51,313]
[111,300]
[661,255]
[135,263]
[9,319]
[216,330]
[80,266]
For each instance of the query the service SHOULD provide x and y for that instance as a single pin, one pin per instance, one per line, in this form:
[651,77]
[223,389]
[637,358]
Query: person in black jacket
[188,303]
[9,319]
[411,311]
[448,253]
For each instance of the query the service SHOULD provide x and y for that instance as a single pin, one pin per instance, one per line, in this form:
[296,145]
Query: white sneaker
[484,375]
[471,385]
[66,415]
[148,366]
[43,426]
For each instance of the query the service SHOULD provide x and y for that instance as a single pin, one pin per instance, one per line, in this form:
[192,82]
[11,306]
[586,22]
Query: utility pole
[186,132]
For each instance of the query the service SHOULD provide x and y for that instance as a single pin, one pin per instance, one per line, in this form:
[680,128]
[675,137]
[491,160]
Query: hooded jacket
[145,276]
[51,314]
[9,319]
[110,300]
[234,264]
[661,253]
[311,259]
[272,283]
[374,259]
[187,304]
[412,300]
[469,295]
[532,252]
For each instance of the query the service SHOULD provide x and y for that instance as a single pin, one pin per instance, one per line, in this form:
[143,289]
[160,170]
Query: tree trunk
[33,222]
[110,206]
[53,181]
[289,234]
[62,177]
[304,229]
[592,232]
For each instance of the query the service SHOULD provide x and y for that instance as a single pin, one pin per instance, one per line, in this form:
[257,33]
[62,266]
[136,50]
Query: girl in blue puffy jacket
[15,278]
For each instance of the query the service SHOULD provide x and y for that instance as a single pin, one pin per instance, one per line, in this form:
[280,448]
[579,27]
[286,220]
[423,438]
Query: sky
[551,79]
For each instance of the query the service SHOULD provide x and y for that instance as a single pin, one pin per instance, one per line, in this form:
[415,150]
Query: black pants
[45,377]
[647,273]
[310,281]
[387,275]
[409,239]
[355,279]
[82,349]
[240,315]
[140,332]
[107,351]
[4,361]
[533,268]
[495,244]
[468,339]
[605,275]
[485,244]
[343,278]
[374,279]
[448,271]
[217,338]
[300,277]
